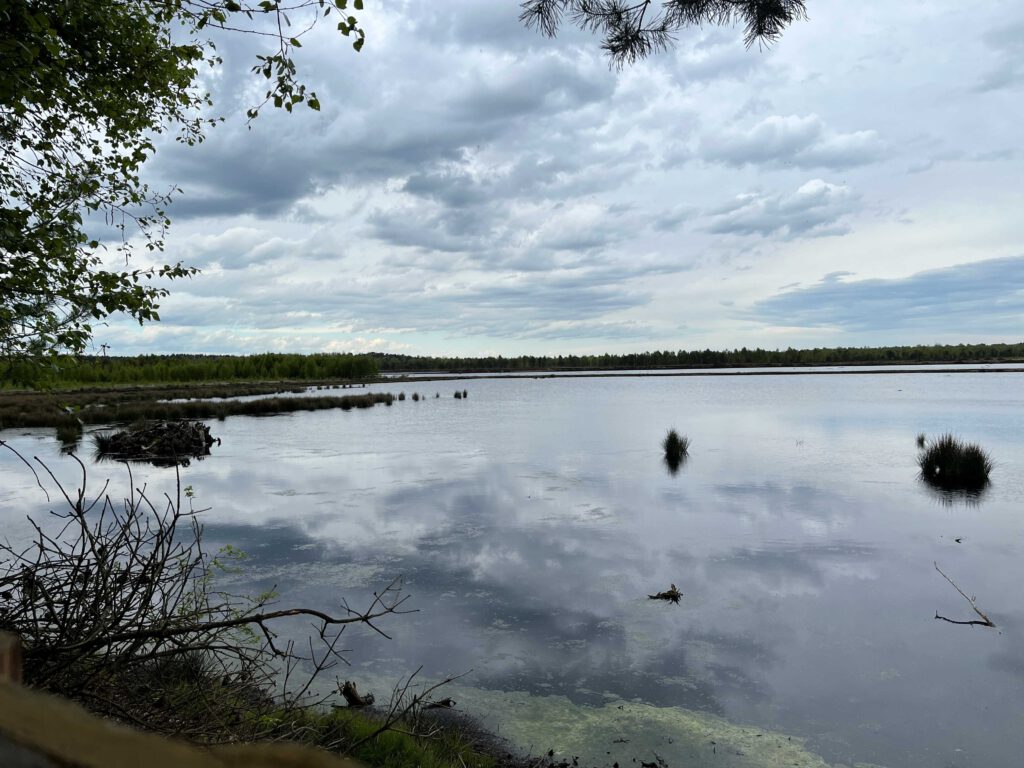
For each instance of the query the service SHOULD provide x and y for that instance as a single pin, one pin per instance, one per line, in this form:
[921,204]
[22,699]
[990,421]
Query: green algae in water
[623,732]
[620,731]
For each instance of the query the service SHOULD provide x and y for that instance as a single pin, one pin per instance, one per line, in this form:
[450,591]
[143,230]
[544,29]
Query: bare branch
[985,620]
[107,595]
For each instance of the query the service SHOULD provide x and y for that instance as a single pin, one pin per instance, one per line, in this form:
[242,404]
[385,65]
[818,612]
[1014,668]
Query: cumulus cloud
[800,142]
[816,209]
[471,185]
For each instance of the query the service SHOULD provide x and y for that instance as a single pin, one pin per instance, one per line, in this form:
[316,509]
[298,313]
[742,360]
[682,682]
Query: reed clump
[677,448]
[953,464]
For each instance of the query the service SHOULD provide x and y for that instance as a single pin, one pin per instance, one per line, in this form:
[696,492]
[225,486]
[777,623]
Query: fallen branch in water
[673,594]
[986,621]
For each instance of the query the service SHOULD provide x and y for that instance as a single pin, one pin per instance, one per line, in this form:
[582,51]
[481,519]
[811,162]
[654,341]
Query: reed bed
[32,411]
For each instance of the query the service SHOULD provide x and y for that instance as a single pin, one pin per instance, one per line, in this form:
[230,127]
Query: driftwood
[673,594]
[985,620]
[352,697]
[442,704]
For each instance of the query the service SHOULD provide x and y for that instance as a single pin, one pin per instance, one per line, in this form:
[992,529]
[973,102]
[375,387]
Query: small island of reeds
[677,448]
[952,464]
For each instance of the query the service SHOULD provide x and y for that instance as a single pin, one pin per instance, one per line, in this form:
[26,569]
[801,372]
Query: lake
[531,520]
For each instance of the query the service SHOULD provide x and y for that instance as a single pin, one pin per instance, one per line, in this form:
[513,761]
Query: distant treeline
[709,358]
[194,369]
[162,369]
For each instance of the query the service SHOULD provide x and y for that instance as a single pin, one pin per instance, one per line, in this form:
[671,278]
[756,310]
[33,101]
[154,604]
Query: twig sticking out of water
[985,622]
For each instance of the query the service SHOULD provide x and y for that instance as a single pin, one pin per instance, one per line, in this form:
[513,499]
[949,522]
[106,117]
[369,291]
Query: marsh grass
[676,445]
[921,439]
[677,448]
[344,726]
[190,696]
[69,434]
[36,411]
[952,464]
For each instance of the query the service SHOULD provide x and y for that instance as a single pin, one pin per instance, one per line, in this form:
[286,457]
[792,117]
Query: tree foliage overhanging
[87,87]
[634,29]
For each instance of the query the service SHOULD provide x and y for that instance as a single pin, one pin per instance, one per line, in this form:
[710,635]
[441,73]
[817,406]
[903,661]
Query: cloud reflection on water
[530,535]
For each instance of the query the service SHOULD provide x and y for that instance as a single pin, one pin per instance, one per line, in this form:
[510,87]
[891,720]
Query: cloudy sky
[470,188]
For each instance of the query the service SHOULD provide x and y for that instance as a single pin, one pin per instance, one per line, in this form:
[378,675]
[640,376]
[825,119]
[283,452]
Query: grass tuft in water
[69,434]
[921,439]
[950,463]
[677,448]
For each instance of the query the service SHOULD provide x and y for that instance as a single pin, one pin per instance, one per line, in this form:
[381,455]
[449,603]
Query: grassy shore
[73,408]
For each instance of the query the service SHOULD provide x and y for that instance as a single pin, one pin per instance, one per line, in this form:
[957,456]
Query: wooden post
[10,658]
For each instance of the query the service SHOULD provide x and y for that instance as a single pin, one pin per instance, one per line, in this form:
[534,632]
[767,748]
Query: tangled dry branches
[116,605]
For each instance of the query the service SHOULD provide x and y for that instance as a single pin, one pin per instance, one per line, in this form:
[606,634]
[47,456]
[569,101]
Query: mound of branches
[952,464]
[162,443]
[116,606]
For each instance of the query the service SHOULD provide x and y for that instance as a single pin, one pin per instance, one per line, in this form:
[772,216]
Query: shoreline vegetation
[105,372]
[71,392]
[119,611]
[72,412]
[710,359]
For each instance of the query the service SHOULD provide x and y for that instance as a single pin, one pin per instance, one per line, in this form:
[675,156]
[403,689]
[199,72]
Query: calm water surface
[531,520]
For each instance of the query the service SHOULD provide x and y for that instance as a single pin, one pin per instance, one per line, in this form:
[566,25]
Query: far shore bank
[562,373]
